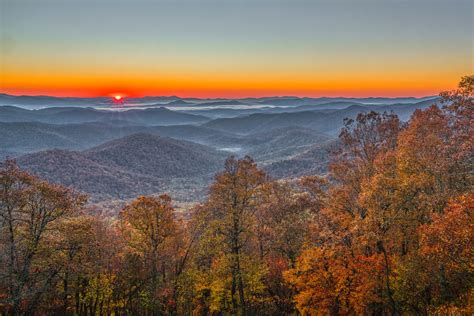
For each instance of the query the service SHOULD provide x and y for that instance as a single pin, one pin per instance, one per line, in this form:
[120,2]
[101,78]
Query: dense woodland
[388,231]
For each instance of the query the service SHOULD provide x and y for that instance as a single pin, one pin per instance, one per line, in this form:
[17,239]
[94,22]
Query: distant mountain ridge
[81,128]
[26,100]
[325,121]
[71,115]
[7,99]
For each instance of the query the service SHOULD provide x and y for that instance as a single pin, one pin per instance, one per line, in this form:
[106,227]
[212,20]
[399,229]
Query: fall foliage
[389,230]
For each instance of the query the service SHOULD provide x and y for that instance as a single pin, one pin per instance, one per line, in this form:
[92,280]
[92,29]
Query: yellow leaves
[214,285]
[100,288]
[148,221]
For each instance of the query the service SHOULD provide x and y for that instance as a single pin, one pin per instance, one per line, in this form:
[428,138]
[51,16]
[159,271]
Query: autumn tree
[74,251]
[149,224]
[446,245]
[361,141]
[459,106]
[285,212]
[31,212]
[230,212]
[96,268]
[353,268]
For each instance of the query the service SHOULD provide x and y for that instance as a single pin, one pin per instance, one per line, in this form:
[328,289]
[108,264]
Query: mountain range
[113,153]
[36,101]
[71,115]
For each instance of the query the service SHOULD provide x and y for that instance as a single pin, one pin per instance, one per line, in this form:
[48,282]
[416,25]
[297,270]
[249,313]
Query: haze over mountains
[37,101]
[114,151]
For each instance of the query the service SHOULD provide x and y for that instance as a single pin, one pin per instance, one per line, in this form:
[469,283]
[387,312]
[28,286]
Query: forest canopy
[389,230]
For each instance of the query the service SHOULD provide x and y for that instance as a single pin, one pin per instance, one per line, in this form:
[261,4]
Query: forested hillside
[123,168]
[389,230]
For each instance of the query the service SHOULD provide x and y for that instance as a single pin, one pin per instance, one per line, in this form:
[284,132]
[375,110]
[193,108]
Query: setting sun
[118,97]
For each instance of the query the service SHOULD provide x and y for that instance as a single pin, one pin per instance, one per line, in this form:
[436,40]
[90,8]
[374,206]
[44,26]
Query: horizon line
[217,98]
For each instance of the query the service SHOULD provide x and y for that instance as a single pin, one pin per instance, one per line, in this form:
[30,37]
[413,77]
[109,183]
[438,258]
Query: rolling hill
[157,156]
[283,143]
[74,169]
[312,161]
[26,137]
[136,164]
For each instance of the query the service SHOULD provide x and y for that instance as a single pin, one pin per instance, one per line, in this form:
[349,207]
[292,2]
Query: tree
[459,106]
[95,269]
[31,211]
[74,255]
[148,224]
[447,247]
[230,211]
[361,142]
[284,216]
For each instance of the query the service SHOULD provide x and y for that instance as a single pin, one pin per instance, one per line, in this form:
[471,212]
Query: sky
[352,48]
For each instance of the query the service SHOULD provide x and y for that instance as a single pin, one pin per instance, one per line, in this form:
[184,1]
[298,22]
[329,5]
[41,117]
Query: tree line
[388,231]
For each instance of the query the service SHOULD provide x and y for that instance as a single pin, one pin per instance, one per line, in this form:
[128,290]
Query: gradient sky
[234,48]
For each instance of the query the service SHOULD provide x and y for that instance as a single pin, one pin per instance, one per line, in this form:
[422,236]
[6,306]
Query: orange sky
[231,49]
[253,85]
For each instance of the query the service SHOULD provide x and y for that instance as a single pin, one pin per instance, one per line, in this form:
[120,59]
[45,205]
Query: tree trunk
[66,290]
[240,284]
[233,291]
[393,305]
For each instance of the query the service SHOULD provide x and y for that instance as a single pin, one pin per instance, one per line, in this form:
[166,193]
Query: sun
[118,97]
